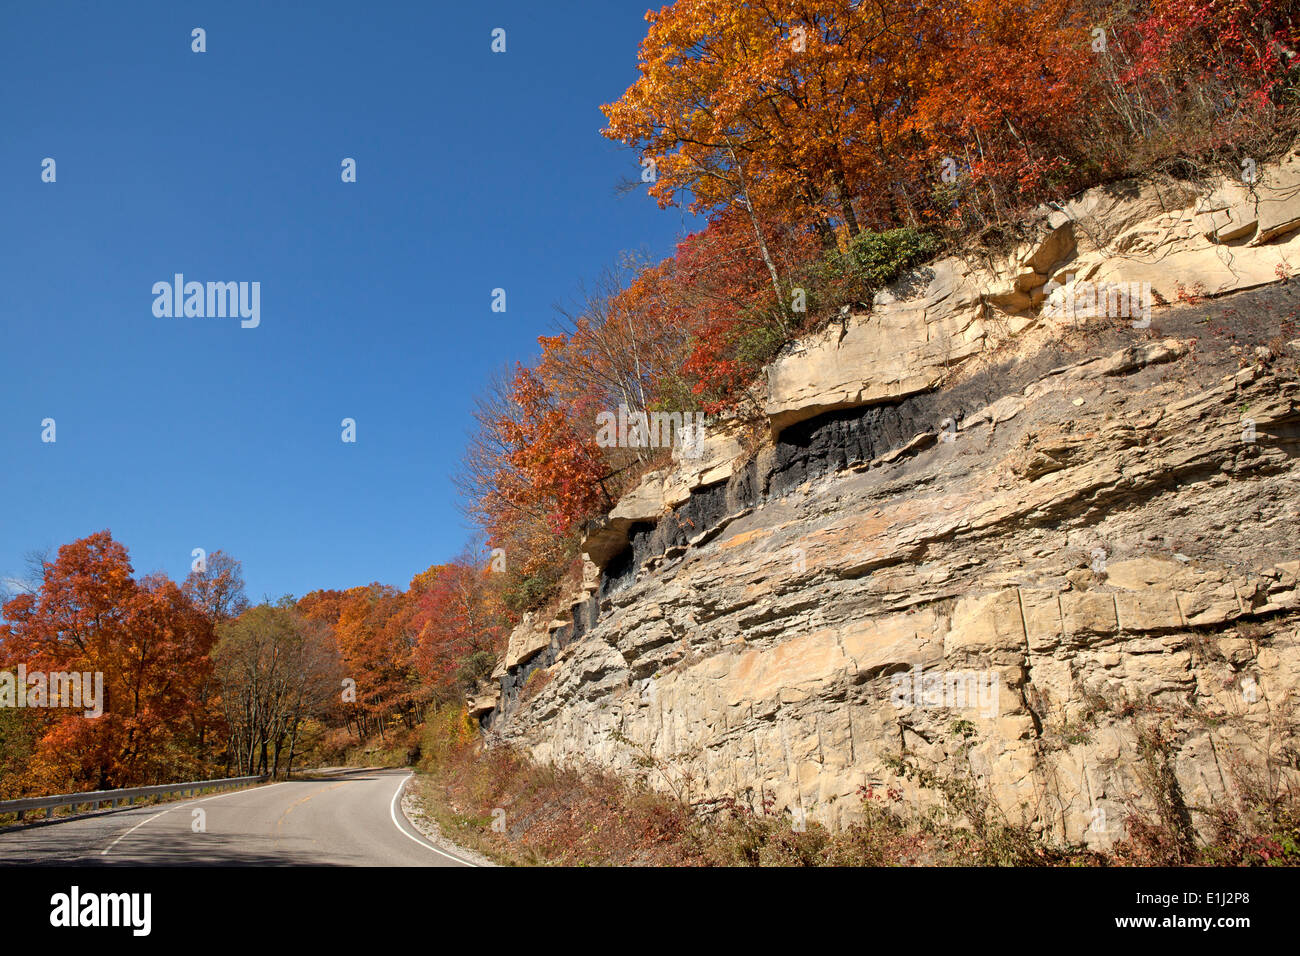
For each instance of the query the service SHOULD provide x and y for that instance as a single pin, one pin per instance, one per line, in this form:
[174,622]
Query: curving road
[352,818]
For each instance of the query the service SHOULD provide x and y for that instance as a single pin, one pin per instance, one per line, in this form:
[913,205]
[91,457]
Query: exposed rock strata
[1097,522]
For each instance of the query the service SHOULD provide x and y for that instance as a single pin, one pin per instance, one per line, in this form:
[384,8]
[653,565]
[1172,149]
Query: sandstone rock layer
[1010,551]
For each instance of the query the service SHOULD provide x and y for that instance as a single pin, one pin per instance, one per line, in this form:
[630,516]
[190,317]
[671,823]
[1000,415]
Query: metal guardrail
[95,799]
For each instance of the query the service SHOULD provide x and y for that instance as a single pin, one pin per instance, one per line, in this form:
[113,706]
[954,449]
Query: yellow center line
[288,810]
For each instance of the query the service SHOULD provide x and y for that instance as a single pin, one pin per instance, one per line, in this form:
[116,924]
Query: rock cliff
[1048,551]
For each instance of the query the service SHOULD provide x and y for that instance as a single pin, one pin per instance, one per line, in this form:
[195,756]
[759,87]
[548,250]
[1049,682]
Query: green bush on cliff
[873,260]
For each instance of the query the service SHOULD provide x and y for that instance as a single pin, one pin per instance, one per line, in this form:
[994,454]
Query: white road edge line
[177,806]
[424,843]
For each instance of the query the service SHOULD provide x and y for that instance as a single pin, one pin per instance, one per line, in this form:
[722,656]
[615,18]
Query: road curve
[353,818]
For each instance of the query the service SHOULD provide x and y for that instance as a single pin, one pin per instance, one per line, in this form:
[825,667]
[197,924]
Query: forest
[198,683]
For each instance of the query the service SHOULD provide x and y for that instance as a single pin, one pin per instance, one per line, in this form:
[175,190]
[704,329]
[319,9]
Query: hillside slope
[1003,537]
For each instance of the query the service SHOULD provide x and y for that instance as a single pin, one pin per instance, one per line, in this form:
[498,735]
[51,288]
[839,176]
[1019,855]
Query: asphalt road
[353,818]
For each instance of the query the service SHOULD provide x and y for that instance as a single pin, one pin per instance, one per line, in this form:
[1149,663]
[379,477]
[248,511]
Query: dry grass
[517,812]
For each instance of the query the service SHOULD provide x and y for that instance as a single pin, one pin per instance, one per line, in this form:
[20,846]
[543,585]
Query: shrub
[872,261]
[474,668]
[527,592]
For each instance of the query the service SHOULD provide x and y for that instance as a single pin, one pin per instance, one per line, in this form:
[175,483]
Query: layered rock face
[1053,556]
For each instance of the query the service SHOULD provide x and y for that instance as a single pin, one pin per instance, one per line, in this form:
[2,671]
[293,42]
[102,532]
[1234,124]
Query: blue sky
[475,171]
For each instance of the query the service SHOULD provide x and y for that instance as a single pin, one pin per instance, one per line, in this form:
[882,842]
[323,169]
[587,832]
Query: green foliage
[445,734]
[475,668]
[875,259]
[757,345]
[524,592]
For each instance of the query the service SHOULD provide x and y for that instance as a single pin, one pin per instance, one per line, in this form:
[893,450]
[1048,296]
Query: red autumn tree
[549,468]
[457,616]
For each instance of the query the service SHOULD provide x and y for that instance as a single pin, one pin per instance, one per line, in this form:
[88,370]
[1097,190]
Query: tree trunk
[845,196]
[293,746]
[762,243]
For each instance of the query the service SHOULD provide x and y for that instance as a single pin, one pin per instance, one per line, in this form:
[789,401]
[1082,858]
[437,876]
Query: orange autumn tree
[771,109]
[376,642]
[839,113]
[151,645]
[534,471]
[725,302]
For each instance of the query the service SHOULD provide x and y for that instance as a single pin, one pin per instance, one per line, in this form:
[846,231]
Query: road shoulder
[414,811]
